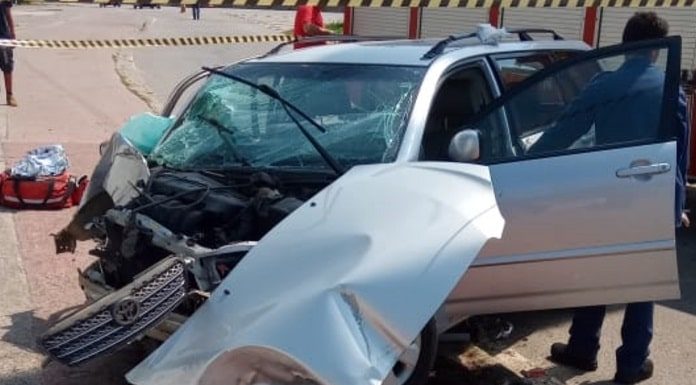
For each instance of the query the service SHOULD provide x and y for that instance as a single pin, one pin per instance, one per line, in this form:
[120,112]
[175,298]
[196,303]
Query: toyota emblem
[125,311]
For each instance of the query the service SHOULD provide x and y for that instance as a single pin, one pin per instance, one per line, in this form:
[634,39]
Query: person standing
[196,10]
[7,31]
[632,362]
[309,22]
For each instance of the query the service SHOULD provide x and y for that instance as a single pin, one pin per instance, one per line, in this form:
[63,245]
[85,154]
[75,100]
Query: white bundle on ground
[43,161]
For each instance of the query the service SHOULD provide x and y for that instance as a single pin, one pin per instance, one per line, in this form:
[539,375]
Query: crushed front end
[145,218]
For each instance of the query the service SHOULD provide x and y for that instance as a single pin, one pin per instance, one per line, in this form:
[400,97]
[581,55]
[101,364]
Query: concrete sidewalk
[18,361]
[76,99]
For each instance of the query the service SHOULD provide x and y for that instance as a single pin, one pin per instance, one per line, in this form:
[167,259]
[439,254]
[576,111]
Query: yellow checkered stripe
[291,4]
[151,42]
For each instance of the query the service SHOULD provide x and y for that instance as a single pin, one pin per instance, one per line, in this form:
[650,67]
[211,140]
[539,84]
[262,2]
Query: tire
[404,373]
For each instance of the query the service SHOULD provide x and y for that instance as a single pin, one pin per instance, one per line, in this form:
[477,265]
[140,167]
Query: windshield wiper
[220,129]
[287,106]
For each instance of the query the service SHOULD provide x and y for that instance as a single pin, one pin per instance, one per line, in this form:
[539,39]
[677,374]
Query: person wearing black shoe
[632,362]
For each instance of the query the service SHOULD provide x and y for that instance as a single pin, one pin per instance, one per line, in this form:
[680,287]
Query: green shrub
[335,27]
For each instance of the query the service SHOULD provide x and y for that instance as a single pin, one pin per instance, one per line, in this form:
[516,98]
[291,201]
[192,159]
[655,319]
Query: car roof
[409,52]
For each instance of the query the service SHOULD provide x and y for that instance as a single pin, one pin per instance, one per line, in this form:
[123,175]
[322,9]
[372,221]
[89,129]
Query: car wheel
[416,362]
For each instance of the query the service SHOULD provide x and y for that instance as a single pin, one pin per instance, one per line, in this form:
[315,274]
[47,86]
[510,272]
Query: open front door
[586,184]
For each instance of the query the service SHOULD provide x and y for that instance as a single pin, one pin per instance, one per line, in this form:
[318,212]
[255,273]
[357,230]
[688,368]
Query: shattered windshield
[230,124]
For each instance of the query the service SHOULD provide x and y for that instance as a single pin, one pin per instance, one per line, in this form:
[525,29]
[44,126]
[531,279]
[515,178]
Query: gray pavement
[162,68]
[180,62]
[88,21]
[158,69]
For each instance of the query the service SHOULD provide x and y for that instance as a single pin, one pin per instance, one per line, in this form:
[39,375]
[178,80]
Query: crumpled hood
[338,290]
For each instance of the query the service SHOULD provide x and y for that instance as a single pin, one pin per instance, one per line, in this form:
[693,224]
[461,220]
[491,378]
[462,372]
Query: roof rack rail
[523,34]
[440,46]
[329,38]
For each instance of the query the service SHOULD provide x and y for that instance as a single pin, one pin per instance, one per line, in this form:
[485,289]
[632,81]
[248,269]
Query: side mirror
[465,146]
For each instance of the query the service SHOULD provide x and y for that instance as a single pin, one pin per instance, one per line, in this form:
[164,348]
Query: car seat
[452,108]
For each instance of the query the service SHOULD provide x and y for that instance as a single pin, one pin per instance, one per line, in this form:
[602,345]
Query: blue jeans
[636,334]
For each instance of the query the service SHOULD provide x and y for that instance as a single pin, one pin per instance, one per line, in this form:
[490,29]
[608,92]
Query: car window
[515,69]
[363,109]
[607,101]
[186,97]
[459,99]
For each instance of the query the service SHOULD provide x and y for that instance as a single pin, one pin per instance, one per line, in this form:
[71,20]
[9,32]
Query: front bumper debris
[118,318]
[94,290]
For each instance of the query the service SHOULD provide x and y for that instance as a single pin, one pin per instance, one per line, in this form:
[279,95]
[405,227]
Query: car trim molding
[585,252]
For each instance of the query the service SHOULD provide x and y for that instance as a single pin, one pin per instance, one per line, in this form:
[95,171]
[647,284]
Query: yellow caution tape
[146,42]
[291,4]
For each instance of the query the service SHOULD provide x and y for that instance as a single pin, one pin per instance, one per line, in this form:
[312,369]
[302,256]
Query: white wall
[442,22]
[380,21]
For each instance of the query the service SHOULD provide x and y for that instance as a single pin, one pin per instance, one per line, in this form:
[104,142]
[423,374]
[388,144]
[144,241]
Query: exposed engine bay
[210,209]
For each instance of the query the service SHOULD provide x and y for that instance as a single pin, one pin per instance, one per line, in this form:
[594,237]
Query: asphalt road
[78,98]
[159,69]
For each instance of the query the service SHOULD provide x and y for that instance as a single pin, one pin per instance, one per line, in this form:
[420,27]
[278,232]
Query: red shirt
[306,14]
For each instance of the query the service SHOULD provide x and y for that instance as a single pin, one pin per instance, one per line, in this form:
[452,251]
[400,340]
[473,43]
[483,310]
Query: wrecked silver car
[353,201]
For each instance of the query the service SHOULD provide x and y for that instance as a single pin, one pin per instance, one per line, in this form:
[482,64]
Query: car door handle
[644,170]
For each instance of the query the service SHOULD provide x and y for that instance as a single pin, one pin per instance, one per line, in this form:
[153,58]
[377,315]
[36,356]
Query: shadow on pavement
[485,328]
[26,325]
[22,378]
[106,370]
[564,373]
[20,331]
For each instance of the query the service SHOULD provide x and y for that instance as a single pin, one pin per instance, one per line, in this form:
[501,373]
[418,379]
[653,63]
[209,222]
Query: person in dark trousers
[632,362]
[196,10]
[7,31]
